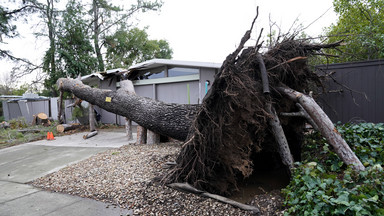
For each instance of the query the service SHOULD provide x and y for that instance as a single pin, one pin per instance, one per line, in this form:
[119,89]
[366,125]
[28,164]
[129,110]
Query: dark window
[154,74]
[179,71]
[150,75]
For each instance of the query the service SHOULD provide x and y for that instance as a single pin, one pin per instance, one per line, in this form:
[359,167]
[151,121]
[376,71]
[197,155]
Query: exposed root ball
[232,124]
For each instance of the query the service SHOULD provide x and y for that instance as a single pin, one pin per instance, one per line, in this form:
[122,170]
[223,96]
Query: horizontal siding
[365,103]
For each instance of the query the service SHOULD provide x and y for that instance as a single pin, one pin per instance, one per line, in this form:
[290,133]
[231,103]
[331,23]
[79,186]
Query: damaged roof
[93,79]
[169,62]
[135,70]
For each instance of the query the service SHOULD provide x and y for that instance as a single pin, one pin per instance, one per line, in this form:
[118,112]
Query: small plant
[323,185]
[77,113]
[18,123]
[17,134]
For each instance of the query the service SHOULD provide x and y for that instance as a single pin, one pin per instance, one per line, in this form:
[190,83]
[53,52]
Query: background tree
[74,51]
[107,16]
[10,14]
[76,35]
[50,55]
[49,14]
[8,28]
[361,26]
[127,47]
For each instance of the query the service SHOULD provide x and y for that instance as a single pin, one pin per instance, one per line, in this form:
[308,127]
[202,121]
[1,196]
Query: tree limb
[190,189]
[326,127]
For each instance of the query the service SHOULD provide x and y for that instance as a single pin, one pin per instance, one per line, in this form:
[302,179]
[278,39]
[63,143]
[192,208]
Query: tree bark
[96,34]
[188,188]
[326,127]
[92,119]
[152,137]
[302,113]
[127,86]
[41,119]
[66,127]
[141,135]
[277,130]
[60,101]
[168,119]
[128,128]
[91,134]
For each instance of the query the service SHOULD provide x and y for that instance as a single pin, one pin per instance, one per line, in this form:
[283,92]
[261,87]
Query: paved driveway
[24,163]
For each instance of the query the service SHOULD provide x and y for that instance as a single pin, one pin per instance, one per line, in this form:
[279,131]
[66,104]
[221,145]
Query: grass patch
[20,132]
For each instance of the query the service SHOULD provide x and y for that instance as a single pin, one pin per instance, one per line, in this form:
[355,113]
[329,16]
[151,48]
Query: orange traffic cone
[48,136]
[52,137]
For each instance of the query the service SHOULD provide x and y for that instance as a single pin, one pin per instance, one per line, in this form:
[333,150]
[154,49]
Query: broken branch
[188,188]
[326,127]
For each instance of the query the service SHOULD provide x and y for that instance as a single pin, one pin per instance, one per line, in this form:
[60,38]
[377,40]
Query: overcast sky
[206,30]
[209,30]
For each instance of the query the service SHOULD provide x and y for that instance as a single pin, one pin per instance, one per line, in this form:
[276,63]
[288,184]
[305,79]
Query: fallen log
[31,130]
[66,127]
[91,134]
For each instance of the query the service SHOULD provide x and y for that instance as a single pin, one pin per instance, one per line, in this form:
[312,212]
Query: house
[173,81]
[170,81]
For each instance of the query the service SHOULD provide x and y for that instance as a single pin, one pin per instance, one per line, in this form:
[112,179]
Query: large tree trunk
[96,34]
[173,120]
[51,60]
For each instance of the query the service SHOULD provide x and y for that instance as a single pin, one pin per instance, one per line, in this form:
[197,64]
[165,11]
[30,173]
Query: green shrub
[20,122]
[323,185]
[366,140]
[77,112]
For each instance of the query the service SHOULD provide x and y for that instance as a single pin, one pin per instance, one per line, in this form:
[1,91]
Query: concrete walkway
[23,163]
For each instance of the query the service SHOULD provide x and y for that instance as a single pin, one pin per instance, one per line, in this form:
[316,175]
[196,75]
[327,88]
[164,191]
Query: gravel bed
[124,177]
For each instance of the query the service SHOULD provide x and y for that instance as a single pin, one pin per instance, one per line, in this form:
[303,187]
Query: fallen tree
[173,120]
[237,128]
